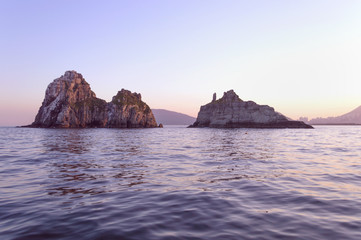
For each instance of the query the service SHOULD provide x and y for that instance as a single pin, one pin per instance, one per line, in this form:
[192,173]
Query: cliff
[70,103]
[232,112]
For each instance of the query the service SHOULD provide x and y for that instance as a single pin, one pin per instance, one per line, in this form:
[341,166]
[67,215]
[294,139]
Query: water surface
[180,183]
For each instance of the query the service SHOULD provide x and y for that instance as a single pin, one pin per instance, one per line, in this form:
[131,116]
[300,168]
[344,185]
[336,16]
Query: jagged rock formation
[70,103]
[231,112]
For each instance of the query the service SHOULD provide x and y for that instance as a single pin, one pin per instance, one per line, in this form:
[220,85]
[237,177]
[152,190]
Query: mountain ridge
[168,117]
[352,117]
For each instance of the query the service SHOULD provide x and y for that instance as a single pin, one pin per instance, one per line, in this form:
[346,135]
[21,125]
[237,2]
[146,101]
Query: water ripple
[179,183]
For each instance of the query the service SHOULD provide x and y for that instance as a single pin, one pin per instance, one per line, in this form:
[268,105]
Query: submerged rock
[70,103]
[232,112]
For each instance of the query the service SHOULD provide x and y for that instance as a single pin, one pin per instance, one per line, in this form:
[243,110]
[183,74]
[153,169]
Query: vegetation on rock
[127,98]
[69,102]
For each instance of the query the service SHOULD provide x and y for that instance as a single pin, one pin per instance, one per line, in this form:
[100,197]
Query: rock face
[70,103]
[231,112]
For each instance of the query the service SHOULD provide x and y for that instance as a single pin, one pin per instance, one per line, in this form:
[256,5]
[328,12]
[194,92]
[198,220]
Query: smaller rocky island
[70,103]
[232,112]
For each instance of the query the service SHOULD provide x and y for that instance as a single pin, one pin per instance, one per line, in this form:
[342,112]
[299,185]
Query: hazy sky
[301,57]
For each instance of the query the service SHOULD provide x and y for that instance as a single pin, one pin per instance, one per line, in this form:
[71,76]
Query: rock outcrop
[70,103]
[231,112]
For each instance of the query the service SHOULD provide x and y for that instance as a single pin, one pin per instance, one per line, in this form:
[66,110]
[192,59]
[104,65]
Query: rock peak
[71,76]
[214,97]
[230,96]
[127,93]
[126,97]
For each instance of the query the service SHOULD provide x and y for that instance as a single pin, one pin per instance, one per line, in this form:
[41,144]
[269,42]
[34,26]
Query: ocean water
[180,183]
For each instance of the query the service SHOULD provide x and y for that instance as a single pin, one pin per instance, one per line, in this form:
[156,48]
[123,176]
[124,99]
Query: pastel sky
[301,57]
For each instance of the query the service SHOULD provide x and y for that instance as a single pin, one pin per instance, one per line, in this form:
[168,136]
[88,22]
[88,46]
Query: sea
[180,183]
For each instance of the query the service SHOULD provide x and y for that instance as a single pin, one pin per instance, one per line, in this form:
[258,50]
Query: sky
[301,57]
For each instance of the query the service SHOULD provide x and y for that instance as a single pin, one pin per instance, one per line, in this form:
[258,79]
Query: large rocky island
[70,103]
[232,112]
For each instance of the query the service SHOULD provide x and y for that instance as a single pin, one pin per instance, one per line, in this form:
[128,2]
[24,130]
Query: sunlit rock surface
[232,112]
[70,103]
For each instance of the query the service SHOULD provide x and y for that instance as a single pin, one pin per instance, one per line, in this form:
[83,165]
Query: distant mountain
[353,117]
[172,118]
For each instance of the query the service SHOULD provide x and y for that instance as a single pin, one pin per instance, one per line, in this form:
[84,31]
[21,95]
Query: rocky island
[232,112]
[70,103]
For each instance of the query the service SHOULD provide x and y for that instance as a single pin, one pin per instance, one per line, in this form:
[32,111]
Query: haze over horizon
[301,57]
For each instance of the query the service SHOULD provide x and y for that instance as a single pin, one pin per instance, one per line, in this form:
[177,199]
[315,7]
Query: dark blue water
[179,183]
